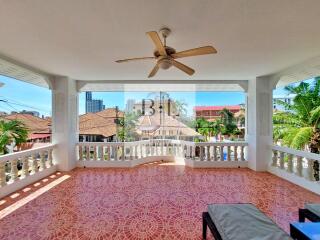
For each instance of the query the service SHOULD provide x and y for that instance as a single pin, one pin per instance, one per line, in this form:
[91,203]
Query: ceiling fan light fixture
[165,63]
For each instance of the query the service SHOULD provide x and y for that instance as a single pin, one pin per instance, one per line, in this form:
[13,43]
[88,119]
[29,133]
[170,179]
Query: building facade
[130,105]
[284,98]
[93,105]
[211,113]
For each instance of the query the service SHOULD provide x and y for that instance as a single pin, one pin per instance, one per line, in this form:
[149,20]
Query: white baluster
[88,153]
[282,160]
[275,158]
[95,155]
[299,166]
[14,170]
[208,153]
[151,148]
[3,180]
[200,153]
[101,153]
[25,167]
[215,157]
[167,149]
[34,164]
[290,163]
[162,145]
[136,151]
[310,171]
[109,149]
[193,152]
[235,153]
[124,151]
[242,153]
[50,158]
[42,163]
[131,152]
[221,153]
[228,153]
[187,152]
[80,153]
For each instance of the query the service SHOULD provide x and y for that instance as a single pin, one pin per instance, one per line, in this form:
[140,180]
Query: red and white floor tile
[153,201]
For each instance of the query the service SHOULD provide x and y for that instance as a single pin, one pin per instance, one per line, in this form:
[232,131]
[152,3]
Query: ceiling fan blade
[195,52]
[183,67]
[154,70]
[134,59]
[157,41]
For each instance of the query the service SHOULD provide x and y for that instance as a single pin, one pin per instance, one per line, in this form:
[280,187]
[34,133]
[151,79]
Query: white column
[259,122]
[64,122]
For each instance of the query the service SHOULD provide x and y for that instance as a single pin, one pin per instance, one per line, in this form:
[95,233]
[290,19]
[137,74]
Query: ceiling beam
[23,72]
[94,84]
[299,72]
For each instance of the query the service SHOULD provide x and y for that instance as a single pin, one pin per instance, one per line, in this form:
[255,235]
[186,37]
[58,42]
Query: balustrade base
[177,160]
[292,177]
[21,183]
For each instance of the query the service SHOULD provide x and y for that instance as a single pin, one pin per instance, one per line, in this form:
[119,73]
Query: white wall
[259,123]
[64,122]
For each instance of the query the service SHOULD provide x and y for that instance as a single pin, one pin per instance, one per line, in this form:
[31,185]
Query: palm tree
[215,128]
[299,126]
[181,107]
[12,131]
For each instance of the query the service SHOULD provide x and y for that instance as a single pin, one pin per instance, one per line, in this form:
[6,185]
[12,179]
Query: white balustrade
[20,165]
[294,161]
[220,151]
[128,151]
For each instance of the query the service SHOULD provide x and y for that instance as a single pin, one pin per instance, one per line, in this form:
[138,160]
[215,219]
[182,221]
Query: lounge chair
[310,212]
[240,222]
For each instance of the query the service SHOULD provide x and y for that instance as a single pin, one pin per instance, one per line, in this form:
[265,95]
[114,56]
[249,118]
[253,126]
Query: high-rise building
[130,105]
[93,105]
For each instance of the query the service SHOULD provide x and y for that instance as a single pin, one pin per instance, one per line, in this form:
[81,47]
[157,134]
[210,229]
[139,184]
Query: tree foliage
[12,131]
[299,125]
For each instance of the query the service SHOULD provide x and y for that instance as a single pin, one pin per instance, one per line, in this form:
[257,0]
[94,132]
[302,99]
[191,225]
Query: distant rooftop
[217,108]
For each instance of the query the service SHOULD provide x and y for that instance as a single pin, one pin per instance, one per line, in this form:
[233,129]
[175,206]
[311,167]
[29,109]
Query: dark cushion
[244,222]
[313,207]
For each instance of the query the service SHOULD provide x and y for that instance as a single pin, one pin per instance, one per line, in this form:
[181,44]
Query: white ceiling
[82,39]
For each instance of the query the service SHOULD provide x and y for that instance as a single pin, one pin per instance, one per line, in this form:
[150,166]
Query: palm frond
[315,117]
[299,138]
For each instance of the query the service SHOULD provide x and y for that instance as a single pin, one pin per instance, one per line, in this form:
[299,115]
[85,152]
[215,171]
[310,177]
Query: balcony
[145,189]
[155,188]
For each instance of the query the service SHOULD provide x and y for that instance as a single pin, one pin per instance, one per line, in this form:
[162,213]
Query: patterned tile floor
[153,201]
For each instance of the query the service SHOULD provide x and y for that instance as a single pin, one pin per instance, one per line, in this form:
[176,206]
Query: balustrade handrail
[235,143]
[295,152]
[222,143]
[28,152]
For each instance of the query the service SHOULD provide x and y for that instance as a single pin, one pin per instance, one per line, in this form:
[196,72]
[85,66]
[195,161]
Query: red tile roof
[217,108]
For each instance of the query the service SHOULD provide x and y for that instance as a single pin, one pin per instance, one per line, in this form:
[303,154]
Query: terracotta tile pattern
[148,202]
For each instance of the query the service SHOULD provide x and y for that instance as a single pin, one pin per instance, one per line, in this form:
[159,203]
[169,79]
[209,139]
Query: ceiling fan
[165,55]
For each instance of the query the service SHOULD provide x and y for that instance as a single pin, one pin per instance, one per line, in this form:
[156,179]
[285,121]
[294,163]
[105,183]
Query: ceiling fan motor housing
[168,49]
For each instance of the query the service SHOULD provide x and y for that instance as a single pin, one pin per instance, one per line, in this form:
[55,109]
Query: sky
[17,95]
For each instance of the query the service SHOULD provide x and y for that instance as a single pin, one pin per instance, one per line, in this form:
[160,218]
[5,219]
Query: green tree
[299,126]
[228,122]
[127,127]
[216,127]
[12,131]
[202,127]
